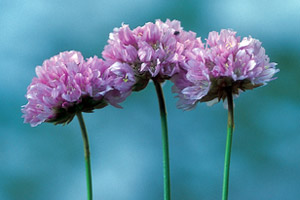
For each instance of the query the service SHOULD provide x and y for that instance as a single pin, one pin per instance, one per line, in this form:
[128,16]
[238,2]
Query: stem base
[230,127]
[164,129]
[86,156]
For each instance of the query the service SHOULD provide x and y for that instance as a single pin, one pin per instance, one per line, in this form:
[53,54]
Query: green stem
[230,127]
[164,128]
[86,156]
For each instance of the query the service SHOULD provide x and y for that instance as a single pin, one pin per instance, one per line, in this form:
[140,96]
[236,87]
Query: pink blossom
[154,50]
[226,61]
[66,84]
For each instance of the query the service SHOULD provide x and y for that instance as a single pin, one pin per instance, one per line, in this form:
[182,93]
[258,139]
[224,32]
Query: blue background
[47,162]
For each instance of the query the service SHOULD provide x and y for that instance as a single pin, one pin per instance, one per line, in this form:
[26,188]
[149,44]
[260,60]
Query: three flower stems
[86,156]
[166,164]
[165,143]
[230,127]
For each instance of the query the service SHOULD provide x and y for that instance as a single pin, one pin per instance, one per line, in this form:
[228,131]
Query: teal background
[46,162]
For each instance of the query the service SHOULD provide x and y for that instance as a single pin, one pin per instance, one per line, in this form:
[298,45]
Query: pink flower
[226,61]
[66,84]
[154,50]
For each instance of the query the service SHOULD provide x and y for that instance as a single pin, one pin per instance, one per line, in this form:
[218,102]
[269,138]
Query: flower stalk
[230,127]
[86,156]
[164,128]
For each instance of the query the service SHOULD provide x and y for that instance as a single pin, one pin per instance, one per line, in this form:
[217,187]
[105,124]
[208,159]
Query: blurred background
[47,162]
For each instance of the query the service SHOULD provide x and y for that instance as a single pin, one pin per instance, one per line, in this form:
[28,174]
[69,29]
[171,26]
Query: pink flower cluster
[66,84]
[154,50]
[226,61]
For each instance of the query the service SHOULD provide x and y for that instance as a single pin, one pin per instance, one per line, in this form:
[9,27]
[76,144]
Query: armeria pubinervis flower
[226,61]
[154,50]
[66,84]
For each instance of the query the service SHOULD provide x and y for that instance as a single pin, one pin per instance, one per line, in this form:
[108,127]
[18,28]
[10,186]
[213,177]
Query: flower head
[226,61]
[154,50]
[66,84]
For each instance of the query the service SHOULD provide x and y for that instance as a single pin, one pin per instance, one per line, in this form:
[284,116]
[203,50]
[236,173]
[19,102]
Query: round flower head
[66,84]
[154,50]
[226,61]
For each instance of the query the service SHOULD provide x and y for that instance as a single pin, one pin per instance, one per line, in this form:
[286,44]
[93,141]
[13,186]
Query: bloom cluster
[66,84]
[225,62]
[154,50]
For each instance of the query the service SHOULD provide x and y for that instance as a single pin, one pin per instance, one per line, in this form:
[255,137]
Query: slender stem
[230,127]
[86,156]
[164,129]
